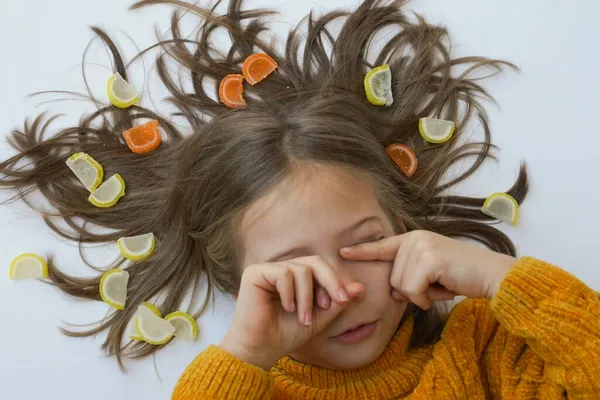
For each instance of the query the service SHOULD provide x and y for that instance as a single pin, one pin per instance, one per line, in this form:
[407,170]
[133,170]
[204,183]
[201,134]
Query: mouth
[357,333]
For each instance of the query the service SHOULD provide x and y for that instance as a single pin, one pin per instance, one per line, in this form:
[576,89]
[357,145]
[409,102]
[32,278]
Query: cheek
[379,300]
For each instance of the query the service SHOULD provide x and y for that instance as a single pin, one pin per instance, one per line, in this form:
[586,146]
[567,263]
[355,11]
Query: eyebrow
[346,231]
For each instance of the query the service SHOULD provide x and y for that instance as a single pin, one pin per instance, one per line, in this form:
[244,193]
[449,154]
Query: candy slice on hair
[404,158]
[436,130]
[113,288]
[231,91]
[378,86]
[89,172]
[120,93]
[257,67]
[109,193]
[143,310]
[153,329]
[143,138]
[137,248]
[503,207]
[185,325]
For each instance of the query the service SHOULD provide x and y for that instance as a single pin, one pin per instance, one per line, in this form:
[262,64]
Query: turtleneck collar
[397,370]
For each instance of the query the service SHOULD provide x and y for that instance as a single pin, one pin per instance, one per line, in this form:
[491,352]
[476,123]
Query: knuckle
[429,257]
[305,297]
[285,273]
[301,272]
[408,289]
[313,259]
[421,245]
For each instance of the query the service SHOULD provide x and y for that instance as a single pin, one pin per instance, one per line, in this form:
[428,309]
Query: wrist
[502,265]
[258,358]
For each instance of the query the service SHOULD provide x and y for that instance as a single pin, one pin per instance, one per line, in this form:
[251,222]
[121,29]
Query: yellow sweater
[539,338]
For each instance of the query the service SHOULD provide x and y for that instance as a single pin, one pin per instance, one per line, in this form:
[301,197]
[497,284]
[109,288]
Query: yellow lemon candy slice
[28,266]
[153,329]
[113,288]
[503,207]
[137,248]
[436,130]
[185,325]
[378,86]
[109,192]
[89,172]
[143,310]
[120,93]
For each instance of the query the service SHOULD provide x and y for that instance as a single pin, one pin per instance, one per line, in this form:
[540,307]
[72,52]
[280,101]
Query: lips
[357,334]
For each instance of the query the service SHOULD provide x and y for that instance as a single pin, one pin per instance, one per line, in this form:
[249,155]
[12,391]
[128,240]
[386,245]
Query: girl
[336,258]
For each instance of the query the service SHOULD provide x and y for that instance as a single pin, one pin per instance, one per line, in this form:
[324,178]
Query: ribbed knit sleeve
[559,318]
[215,374]
[538,338]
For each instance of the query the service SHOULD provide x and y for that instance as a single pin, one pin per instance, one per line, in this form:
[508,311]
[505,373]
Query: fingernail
[343,295]
[324,301]
[292,306]
[346,250]
[307,318]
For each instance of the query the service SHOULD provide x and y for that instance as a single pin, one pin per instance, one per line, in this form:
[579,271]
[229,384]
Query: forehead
[311,204]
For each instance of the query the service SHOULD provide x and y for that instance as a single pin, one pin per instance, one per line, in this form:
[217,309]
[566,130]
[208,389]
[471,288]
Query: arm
[539,332]
[265,328]
[217,374]
[558,316]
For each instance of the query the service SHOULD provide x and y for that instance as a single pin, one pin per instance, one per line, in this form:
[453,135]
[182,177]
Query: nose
[343,268]
[348,275]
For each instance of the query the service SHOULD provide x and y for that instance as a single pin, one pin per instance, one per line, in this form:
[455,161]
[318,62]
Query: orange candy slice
[257,67]
[143,138]
[403,157]
[231,91]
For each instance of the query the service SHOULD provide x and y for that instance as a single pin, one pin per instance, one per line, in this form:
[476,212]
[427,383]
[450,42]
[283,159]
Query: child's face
[314,212]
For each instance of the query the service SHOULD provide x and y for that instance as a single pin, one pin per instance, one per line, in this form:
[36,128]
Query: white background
[548,116]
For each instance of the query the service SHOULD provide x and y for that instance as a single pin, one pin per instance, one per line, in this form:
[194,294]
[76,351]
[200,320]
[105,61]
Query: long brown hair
[192,189]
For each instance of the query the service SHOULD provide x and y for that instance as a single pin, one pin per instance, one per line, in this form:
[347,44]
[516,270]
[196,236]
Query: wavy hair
[192,189]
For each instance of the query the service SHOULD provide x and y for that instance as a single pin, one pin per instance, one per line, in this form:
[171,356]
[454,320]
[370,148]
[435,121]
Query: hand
[275,309]
[430,267]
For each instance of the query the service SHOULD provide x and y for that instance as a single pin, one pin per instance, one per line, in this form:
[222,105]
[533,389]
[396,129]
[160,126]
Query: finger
[273,280]
[400,264]
[382,250]
[322,318]
[399,296]
[355,290]
[323,299]
[415,281]
[285,288]
[326,276]
[439,293]
[303,288]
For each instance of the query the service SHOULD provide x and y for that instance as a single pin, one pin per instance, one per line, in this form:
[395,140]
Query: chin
[343,356]
[355,357]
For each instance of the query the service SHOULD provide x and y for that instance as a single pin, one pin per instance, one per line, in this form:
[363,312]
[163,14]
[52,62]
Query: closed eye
[372,238]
